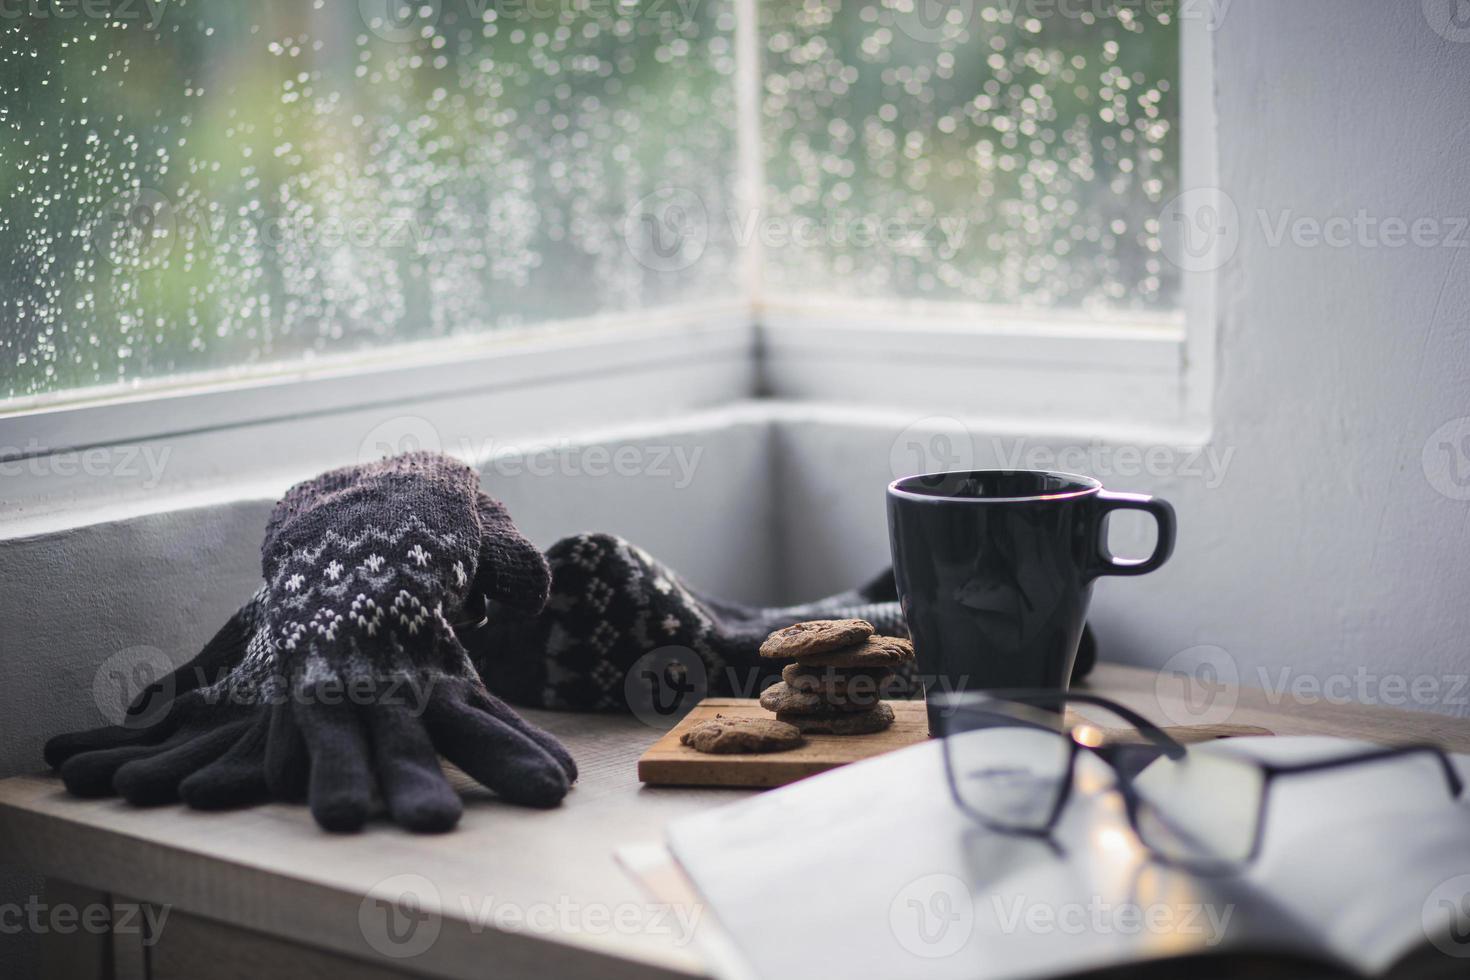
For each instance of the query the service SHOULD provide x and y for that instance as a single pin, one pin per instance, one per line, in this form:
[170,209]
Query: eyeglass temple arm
[1146,728]
[1457,785]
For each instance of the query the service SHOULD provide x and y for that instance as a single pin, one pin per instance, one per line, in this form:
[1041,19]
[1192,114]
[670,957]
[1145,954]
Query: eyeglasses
[1010,757]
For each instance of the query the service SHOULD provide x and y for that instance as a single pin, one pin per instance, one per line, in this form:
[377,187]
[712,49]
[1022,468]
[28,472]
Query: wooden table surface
[269,869]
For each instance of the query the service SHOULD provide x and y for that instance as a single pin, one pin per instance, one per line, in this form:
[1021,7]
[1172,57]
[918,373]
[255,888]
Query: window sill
[189,445]
[1020,371]
[1146,343]
[980,370]
[398,374]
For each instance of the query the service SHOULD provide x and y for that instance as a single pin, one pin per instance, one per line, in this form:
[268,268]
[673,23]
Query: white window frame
[981,363]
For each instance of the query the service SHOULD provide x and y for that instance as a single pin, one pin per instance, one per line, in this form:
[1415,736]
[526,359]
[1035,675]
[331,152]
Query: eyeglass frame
[954,703]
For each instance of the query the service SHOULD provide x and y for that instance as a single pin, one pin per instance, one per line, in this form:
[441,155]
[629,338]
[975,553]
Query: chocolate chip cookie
[848,723]
[876,651]
[782,697]
[839,681]
[731,736]
[818,636]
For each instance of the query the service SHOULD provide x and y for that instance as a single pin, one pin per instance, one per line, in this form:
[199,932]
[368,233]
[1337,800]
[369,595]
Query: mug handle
[1163,514]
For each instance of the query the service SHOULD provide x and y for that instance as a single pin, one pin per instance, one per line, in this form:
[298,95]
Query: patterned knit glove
[612,604]
[364,570]
[177,725]
[222,730]
[203,733]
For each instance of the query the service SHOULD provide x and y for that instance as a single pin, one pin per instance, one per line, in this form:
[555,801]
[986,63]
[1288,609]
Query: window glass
[1004,152]
[205,184]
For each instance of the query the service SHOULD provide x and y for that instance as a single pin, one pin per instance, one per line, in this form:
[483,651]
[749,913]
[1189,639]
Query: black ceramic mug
[995,570]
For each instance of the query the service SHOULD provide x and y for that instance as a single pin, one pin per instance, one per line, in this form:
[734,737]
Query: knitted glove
[203,732]
[222,730]
[218,733]
[177,725]
[363,569]
[611,603]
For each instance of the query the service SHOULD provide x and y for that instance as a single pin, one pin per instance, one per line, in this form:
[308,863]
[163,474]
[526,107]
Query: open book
[871,871]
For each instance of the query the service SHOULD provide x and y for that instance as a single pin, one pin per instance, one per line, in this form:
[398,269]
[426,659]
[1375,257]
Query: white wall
[1326,548]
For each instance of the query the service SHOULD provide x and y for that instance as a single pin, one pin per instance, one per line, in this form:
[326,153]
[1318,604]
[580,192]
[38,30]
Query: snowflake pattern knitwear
[612,603]
[342,679]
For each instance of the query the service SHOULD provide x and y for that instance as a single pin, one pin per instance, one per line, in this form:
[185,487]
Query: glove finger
[156,779]
[236,778]
[495,754]
[511,569]
[340,783]
[222,652]
[419,798]
[492,705]
[63,747]
[66,746]
[90,774]
[286,763]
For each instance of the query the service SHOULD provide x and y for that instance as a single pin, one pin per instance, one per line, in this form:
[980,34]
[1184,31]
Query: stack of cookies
[836,685]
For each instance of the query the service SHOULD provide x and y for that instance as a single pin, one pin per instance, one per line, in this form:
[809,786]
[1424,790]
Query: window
[205,185]
[256,182]
[973,152]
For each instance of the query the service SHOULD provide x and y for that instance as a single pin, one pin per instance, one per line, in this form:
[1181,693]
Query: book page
[1368,853]
[872,871]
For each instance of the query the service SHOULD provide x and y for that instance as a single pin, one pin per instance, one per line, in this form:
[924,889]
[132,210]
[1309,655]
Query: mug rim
[1089,486]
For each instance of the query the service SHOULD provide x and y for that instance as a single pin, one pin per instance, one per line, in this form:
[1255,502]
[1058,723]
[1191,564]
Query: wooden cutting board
[667,763]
